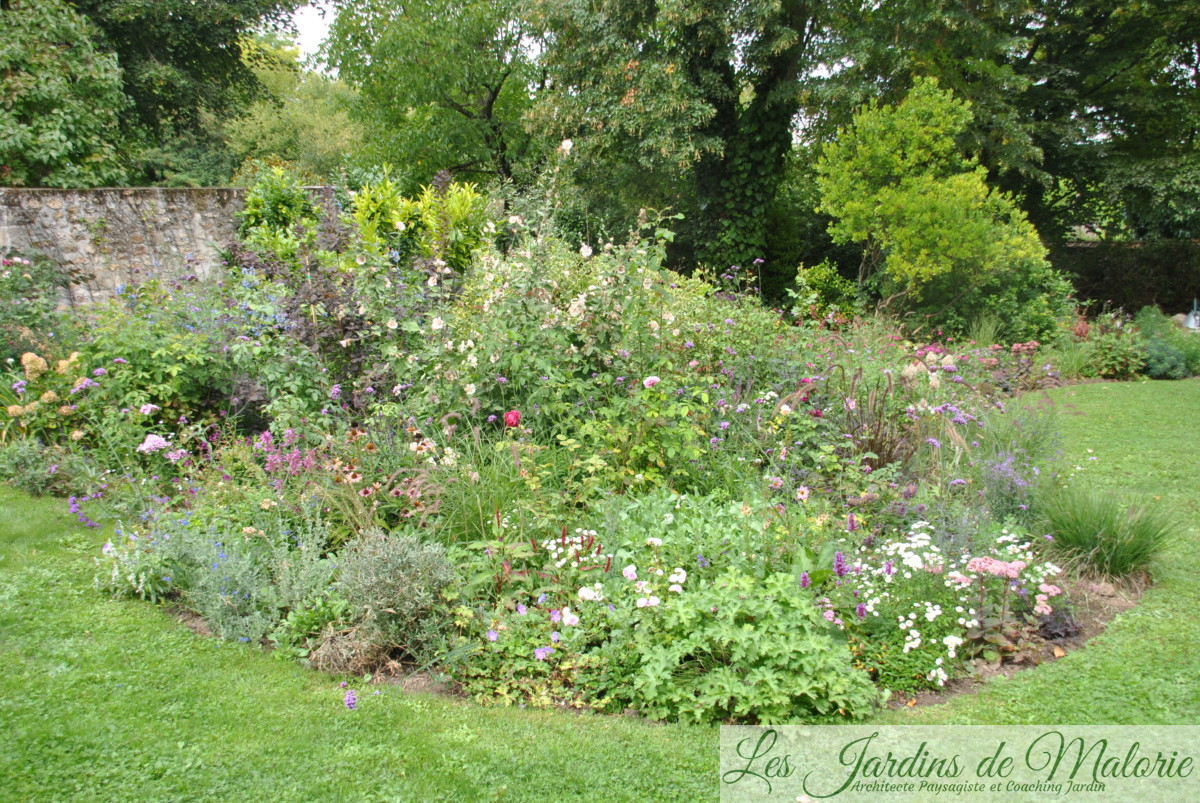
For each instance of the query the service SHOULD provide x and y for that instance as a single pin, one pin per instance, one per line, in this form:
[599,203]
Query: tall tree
[707,89]
[443,84]
[181,57]
[59,99]
[1088,110]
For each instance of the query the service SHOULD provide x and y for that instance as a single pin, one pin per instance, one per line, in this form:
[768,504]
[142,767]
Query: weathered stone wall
[115,236]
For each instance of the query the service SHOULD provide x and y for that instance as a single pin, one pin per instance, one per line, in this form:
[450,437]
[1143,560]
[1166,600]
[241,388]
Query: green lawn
[113,700]
[1145,668]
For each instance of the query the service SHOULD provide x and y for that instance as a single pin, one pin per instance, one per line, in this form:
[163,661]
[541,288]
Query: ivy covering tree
[704,90]
[60,97]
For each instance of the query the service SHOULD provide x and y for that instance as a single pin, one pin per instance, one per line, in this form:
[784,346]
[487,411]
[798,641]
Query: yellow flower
[15,410]
[76,434]
[49,397]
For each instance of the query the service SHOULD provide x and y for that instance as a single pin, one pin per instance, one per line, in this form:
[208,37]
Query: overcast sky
[312,28]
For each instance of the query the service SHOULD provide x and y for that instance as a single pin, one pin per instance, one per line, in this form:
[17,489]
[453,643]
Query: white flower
[678,576]
[391,324]
[569,619]
[566,147]
[470,389]
[630,572]
[654,542]
[437,324]
[678,589]
[585,250]
[653,601]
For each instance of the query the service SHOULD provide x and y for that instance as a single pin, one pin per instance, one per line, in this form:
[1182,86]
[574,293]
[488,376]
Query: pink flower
[569,619]
[153,443]
[512,418]
[1050,590]
[650,382]
[802,493]
[959,577]
[147,409]
[630,572]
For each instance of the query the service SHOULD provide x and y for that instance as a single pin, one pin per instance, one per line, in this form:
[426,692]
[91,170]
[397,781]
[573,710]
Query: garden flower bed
[416,438]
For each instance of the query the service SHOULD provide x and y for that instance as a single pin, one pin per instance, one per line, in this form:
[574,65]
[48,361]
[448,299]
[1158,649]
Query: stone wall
[115,236]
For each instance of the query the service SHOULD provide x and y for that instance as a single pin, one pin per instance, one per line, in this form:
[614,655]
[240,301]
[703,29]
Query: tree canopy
[60,97]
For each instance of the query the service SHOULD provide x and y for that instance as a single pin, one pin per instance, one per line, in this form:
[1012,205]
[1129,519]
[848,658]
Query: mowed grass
[113,700]
[1145,667]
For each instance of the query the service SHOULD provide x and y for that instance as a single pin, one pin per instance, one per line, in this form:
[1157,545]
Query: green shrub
[241,580]
[396,580]
[1164,361]
[44,470]
[29,294]
[1178,349]
[741,649]
[1105,535]
[1115,354]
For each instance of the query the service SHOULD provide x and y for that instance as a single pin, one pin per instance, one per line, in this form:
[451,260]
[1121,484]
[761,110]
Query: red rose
[512,418]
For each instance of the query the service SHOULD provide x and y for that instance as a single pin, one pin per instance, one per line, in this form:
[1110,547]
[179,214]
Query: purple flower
[839,564]
[120,361]
[542,653]
[957,482]
[541,599]
[492,635]
[99,372]
[19,386]
[851,524]
[889,568]
[934,443]
[521,609]
[556,616]
[805,581]
[702,562]
[351,699]
[555,637]
[861,610]
[724,425]
[84,384]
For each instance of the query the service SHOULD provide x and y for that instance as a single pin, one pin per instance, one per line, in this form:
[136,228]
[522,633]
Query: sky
[312,28]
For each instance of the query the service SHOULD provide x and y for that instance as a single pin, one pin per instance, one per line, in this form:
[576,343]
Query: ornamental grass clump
[1104,535]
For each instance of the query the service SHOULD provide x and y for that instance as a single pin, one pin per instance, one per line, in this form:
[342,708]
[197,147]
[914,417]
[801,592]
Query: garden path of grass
[113,700]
